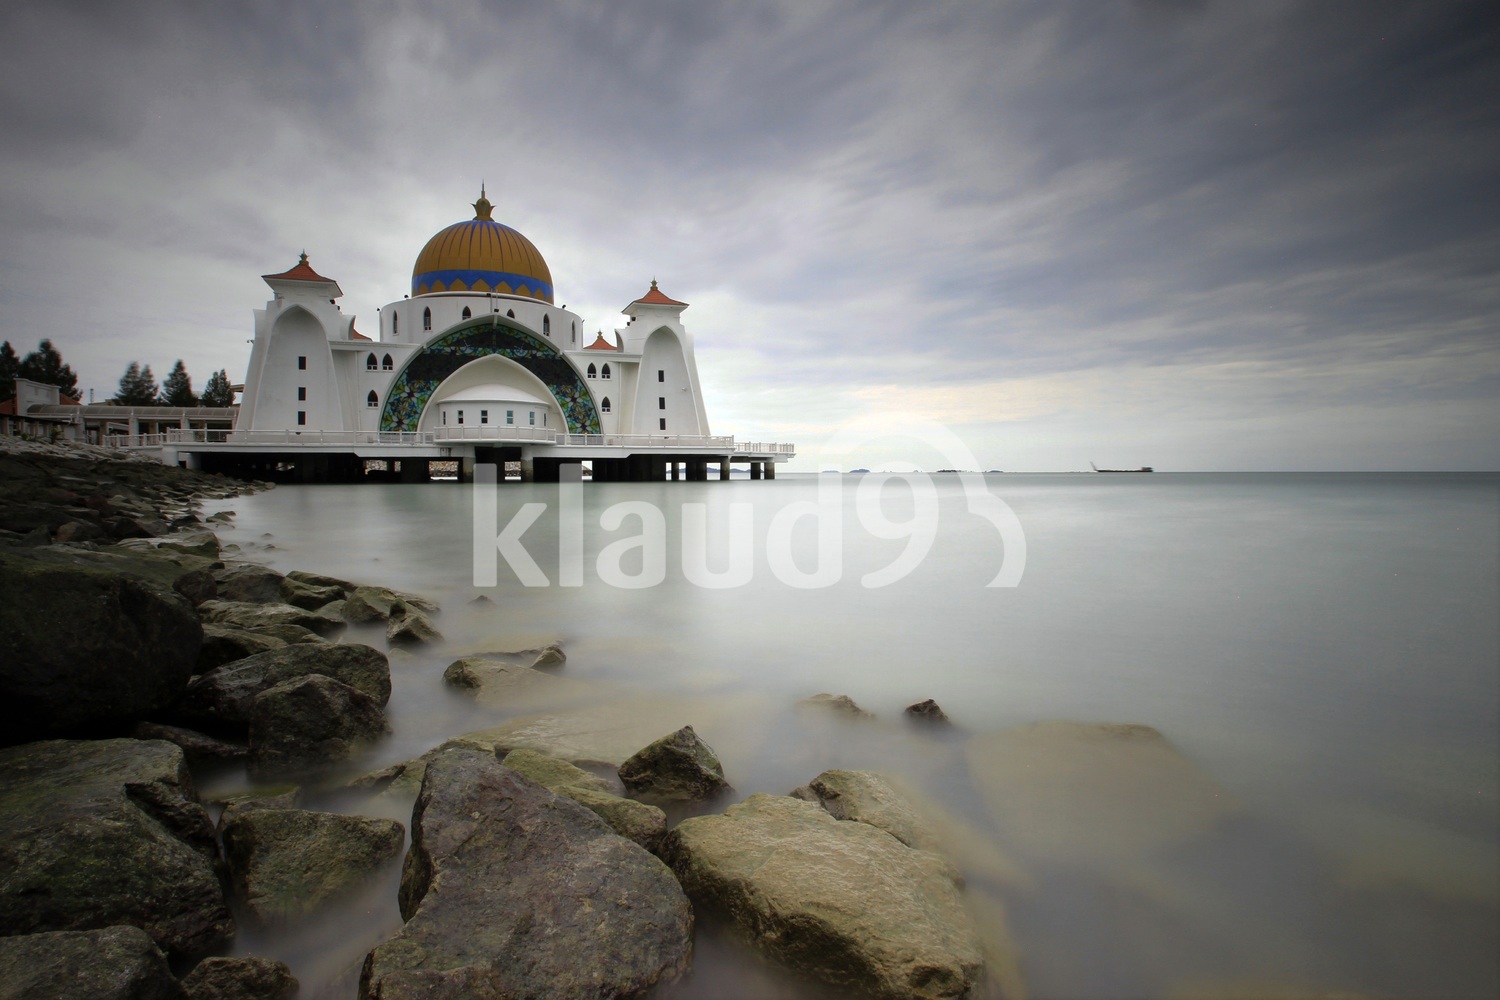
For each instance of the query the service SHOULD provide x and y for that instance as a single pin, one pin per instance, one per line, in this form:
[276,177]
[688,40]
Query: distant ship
[1144,468]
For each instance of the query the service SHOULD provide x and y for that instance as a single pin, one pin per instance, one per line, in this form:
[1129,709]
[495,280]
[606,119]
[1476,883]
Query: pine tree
[137,386]
[45,365]
[177,390]
[10,367]
[217,391]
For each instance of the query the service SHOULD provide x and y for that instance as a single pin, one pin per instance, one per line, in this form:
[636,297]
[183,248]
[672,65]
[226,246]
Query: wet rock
[333,613]
[86,647]
[247,978]
[508,886]
[223,644]
[254,616]
[197,586]
[288,633]
[286,863]
[189,541]
[344,587]
[384,600]
[840,704]
[223,696]
[678,767]
[77,531]
[113,963]
[1108,794]
[220,517]
[262,797]
[409,627]
[196,746]
[866,797]
[309,596]
[645,824]
[249,583]
[312,720]
[927,711]
[103,832]
[504,683]
[549,656]
[844,902]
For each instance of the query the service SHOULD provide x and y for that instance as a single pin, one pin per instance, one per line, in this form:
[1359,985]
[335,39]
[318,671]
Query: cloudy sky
[1192,235]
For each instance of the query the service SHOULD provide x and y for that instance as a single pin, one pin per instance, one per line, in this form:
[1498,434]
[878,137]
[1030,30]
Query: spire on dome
[483,207]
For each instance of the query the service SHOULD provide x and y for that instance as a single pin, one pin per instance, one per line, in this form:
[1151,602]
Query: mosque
[477,364]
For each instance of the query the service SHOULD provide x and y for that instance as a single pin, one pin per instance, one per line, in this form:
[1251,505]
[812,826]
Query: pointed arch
[511,313]
[372,399]
[604,372]
[593,372]
[387,363]
[546,325]
[426,317]
[467,314]
[372,362]
[604,405]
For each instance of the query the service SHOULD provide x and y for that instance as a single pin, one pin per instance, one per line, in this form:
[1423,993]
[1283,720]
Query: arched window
[604,372]
[604,406]
[395,323]
[547,325]
[592,370]
[511,313]
[427,319]
[372,399]
[372,363]
[467,314]
[387,363]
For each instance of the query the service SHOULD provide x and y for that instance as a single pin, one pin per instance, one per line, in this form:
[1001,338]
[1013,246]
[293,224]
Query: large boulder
[188,541]
[197,747]
[86,647]
[511,890]
[247,978]
[638,821]
[223,644]
[508,681]
[409,627]
[866,797]
[311,720]
[257,616]
[367,604]
[839,704]
[286,863]
[97,833]
[113,963]
[844,902]
[223,696]
[248,583]
[678,767]
[300,593]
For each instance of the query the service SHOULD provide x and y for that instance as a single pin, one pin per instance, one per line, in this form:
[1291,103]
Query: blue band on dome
[538,287]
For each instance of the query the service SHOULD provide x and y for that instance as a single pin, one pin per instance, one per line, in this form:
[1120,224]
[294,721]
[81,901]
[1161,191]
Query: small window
[445,417]
[604,372]
[372,362]
[510,416]
[484,416]
[387,363]
[531,417]
[547,325]
[301,393]
[511,313]
[661,402]
[604,406]
[574,334]
[663,423]
[661,376]
[372,399]
[460,416]
[395,324]
[302,363]
[301,418]
[466,313]
[427,319]
[592,370]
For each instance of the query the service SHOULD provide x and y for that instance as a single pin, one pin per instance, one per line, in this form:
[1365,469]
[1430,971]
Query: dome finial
[483,207]
[653,284]
[303,258]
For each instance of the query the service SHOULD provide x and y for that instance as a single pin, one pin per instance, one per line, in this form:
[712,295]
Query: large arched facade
[429,367]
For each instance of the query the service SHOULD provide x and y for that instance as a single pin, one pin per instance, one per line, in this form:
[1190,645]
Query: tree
[217,391]
[177,390]
[45,365]
[137,386]
[10,367]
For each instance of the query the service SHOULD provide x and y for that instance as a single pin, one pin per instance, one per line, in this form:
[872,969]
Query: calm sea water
[1323,648]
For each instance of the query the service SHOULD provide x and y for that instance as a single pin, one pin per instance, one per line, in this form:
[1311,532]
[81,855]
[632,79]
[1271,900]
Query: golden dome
[481,255]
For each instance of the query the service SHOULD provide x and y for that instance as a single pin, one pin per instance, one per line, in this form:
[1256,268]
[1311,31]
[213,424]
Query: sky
[1192,235]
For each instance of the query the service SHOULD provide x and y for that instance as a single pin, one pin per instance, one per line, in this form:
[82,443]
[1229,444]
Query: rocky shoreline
[139,651]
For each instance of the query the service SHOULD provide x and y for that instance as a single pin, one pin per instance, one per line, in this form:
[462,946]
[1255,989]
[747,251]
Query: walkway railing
[444,435]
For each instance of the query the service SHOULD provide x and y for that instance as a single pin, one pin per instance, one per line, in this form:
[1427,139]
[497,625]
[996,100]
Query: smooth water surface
[1321,649]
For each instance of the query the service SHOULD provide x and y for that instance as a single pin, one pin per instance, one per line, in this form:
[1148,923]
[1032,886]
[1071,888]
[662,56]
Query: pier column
[673,466]
[414,470]
[528,471]
[755,468]
[466,470]
[770,470]
[724,469]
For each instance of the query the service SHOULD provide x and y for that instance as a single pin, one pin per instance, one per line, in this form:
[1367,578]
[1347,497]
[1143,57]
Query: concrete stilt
[723,469]
[528,471]
[755,469]
[770,470]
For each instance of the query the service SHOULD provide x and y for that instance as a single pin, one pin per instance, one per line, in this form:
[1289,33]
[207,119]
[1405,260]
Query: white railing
[442,435]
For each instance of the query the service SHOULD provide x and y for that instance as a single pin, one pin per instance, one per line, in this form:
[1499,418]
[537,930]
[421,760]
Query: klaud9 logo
[639,560]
